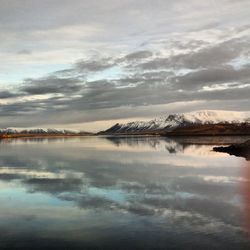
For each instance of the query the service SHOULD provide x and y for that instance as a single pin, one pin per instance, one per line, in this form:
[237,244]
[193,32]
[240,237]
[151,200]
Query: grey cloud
[7,94]
[111,97]
[93,65]
[191,45]
[51,85]
[72,13]
[138,55]
[210,56]
[148,78]
[112,103]
[207,77]
[24,52]
[19,108]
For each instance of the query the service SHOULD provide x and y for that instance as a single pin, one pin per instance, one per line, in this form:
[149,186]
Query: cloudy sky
[87,64]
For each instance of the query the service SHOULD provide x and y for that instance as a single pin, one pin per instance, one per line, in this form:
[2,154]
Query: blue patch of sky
[182,72]
[107,74]
[27,71]
[240,62]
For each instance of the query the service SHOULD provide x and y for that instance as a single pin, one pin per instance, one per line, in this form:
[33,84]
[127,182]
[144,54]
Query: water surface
[122,193]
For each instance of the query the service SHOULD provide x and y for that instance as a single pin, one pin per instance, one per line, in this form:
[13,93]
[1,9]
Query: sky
[88,64]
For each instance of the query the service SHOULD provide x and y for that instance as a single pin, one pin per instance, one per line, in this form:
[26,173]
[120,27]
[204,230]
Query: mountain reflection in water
[122,193]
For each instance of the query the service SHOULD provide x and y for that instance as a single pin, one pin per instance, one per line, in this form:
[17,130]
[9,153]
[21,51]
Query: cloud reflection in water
[101,192]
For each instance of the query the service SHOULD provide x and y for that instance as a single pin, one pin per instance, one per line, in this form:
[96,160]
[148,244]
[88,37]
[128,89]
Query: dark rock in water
[239,149]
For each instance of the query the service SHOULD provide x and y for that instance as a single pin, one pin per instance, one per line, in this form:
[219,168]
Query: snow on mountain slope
[206,117]
[37,131]
[170,122]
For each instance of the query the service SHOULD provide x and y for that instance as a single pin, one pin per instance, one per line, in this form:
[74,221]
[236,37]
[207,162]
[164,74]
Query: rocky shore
[239,149]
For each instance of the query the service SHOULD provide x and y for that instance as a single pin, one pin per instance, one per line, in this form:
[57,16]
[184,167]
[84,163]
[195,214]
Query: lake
[122,193]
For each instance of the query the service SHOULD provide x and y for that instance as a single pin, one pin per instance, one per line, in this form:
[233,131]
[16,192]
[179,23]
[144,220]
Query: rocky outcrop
[240,149]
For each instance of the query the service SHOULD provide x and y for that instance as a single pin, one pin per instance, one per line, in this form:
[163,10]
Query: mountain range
[27,132]
[204,122]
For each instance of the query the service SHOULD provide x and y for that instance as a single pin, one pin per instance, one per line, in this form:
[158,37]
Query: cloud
[212,55]
[93,65]
[212,76]
[138,55]
[7,94]
[51,85]
[104,70]
[24,52]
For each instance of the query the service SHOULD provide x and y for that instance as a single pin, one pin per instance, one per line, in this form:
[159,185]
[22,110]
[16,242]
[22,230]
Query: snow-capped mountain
[183,120]
[38,131]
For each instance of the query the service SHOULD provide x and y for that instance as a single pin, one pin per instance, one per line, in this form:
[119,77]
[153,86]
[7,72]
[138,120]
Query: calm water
[122,193]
